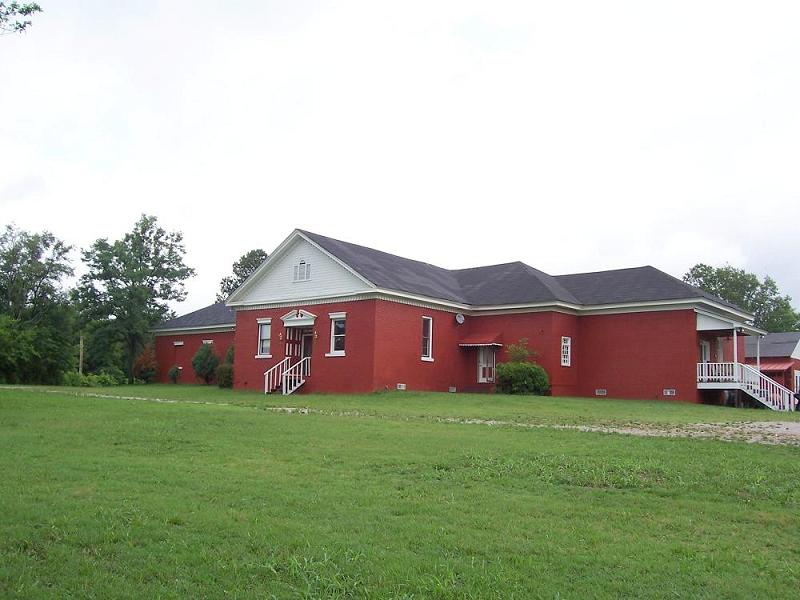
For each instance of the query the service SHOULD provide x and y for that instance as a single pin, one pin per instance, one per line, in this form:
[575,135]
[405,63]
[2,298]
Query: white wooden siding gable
[274,280]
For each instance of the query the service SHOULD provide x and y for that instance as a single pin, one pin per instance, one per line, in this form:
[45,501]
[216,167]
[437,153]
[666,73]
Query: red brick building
[323,315]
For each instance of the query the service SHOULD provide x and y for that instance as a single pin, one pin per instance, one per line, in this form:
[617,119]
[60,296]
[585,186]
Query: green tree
[773,311]
[37,325]
[205,363]
[130,281]
[242,269]
[13,16]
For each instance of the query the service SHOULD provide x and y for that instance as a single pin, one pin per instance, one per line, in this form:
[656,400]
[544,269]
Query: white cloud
[573,136]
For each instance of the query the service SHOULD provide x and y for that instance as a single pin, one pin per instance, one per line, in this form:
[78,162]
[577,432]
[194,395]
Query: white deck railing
[295,376]
[750,380]
[274,376]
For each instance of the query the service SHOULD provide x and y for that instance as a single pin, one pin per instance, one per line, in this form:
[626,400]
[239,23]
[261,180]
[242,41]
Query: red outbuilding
[778,356]
[324,315]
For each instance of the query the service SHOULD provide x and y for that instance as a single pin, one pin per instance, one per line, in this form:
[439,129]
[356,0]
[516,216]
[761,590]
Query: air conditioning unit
[401,386]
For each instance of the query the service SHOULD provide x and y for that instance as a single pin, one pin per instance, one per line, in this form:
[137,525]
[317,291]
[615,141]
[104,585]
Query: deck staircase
[737,376]
[287,377]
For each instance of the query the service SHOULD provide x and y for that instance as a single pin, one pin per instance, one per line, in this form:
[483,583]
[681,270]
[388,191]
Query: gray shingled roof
[637,284]
[773,345]
[510,283]
[210,316]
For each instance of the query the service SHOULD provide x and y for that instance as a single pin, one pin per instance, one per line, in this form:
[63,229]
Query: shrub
[229,355]
[205,363]
[145,365]
[520,352]
[115,374]
[225,375]
[75,379]
[522,378]
[174,374]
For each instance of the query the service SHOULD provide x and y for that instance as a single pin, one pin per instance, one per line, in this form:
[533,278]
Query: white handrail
[273,376]
[751,380]
[295,376]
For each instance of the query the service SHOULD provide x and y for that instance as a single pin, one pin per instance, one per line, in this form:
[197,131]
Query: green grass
[430,406]
[111,498]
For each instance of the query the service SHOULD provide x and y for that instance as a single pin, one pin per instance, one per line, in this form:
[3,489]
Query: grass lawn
[118,498]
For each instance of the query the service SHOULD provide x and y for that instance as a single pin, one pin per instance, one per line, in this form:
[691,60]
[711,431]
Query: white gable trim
[796,353]
[335,259]
[236,299]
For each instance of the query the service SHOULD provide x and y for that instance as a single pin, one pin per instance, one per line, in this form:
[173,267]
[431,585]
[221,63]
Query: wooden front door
[307,345]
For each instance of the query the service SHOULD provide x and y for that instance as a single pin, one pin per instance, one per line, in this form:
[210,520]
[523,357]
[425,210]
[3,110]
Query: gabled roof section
[508,283]
[512,284]
[775,345]
[638,284]
[392,272]
[216,315]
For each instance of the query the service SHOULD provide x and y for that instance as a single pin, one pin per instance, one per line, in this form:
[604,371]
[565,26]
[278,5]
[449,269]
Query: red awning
[481,339]
[773,364]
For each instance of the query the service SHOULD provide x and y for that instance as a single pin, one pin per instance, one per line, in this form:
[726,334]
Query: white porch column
[735,346]
[758,353]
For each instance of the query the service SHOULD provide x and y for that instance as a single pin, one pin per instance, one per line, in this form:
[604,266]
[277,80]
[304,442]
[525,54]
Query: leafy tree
[772,310]
[242,269]
[225,370]
[37,324]
[205,363]
[130,281]
[31,269]
[145,365]
[12,16]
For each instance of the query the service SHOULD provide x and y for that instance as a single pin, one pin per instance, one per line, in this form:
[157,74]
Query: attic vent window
[302,271]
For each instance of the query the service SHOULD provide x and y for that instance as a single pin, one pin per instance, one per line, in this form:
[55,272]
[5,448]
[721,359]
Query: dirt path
[785,433]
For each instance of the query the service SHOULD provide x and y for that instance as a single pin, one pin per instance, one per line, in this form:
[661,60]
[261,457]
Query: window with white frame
[566,351]
[302,271]
[208,342]
[264,337]
[338,333]
[427,338]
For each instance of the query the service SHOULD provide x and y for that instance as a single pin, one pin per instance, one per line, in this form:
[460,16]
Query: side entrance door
[486,360]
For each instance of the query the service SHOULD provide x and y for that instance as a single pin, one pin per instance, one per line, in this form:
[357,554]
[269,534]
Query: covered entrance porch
[721,363]
[298,336]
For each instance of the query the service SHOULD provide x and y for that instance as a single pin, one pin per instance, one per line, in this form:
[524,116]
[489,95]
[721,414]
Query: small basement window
[601,392]
[669,391]
[178,343]
[302,271]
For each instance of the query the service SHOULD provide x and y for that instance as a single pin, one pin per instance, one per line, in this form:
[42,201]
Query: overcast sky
[573,136]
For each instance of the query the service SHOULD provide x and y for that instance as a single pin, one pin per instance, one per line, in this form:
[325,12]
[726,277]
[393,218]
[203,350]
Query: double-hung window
[338,333]
[566,351]
[427,338]
[264,337]
[302,271]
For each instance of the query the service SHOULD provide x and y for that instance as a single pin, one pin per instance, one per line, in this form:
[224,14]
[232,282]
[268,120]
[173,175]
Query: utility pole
[80,355]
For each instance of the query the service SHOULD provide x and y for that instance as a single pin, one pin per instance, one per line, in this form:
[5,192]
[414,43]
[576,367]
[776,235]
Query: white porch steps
[286,376]
[738,376]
